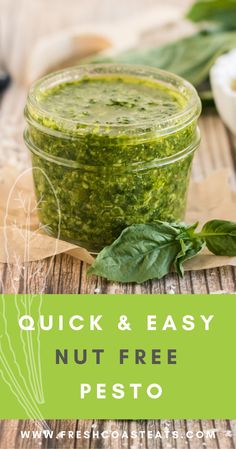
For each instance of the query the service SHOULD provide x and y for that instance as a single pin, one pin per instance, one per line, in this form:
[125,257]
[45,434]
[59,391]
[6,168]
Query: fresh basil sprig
[148,251]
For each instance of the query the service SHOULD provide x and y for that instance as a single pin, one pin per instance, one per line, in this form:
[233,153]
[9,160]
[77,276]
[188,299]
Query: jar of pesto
[115,143]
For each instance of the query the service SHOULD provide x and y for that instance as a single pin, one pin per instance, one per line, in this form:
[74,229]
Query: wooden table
[68,275]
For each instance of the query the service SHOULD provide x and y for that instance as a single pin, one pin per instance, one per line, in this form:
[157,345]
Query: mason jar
[115,143]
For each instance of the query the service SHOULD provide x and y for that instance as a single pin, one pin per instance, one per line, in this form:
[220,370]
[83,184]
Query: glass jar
[105,176]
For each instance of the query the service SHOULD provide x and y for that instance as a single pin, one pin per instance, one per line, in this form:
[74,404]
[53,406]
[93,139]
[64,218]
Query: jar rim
[35,113]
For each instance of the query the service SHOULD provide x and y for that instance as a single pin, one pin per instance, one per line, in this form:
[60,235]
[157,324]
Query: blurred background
[183,36]
[37,36]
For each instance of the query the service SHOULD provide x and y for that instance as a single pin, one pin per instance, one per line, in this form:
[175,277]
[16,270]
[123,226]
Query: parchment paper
[23,239]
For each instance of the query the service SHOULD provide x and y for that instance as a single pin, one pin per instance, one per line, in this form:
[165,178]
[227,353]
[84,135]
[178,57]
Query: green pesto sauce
[112,100]
[115,180]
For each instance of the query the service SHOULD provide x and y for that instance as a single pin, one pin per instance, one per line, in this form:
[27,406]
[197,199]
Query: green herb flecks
[111,98]
[118,181]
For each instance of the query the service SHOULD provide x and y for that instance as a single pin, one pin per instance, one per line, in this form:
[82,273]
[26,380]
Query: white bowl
[222,78]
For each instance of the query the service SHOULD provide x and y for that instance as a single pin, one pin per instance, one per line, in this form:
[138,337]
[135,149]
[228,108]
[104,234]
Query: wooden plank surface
[68,275]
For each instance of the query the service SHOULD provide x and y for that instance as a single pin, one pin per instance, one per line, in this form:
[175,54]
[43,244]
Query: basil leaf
[147,251]
[190,248]
[141,252]
[221,11]
[190,57]
[220,237]
[185,230]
